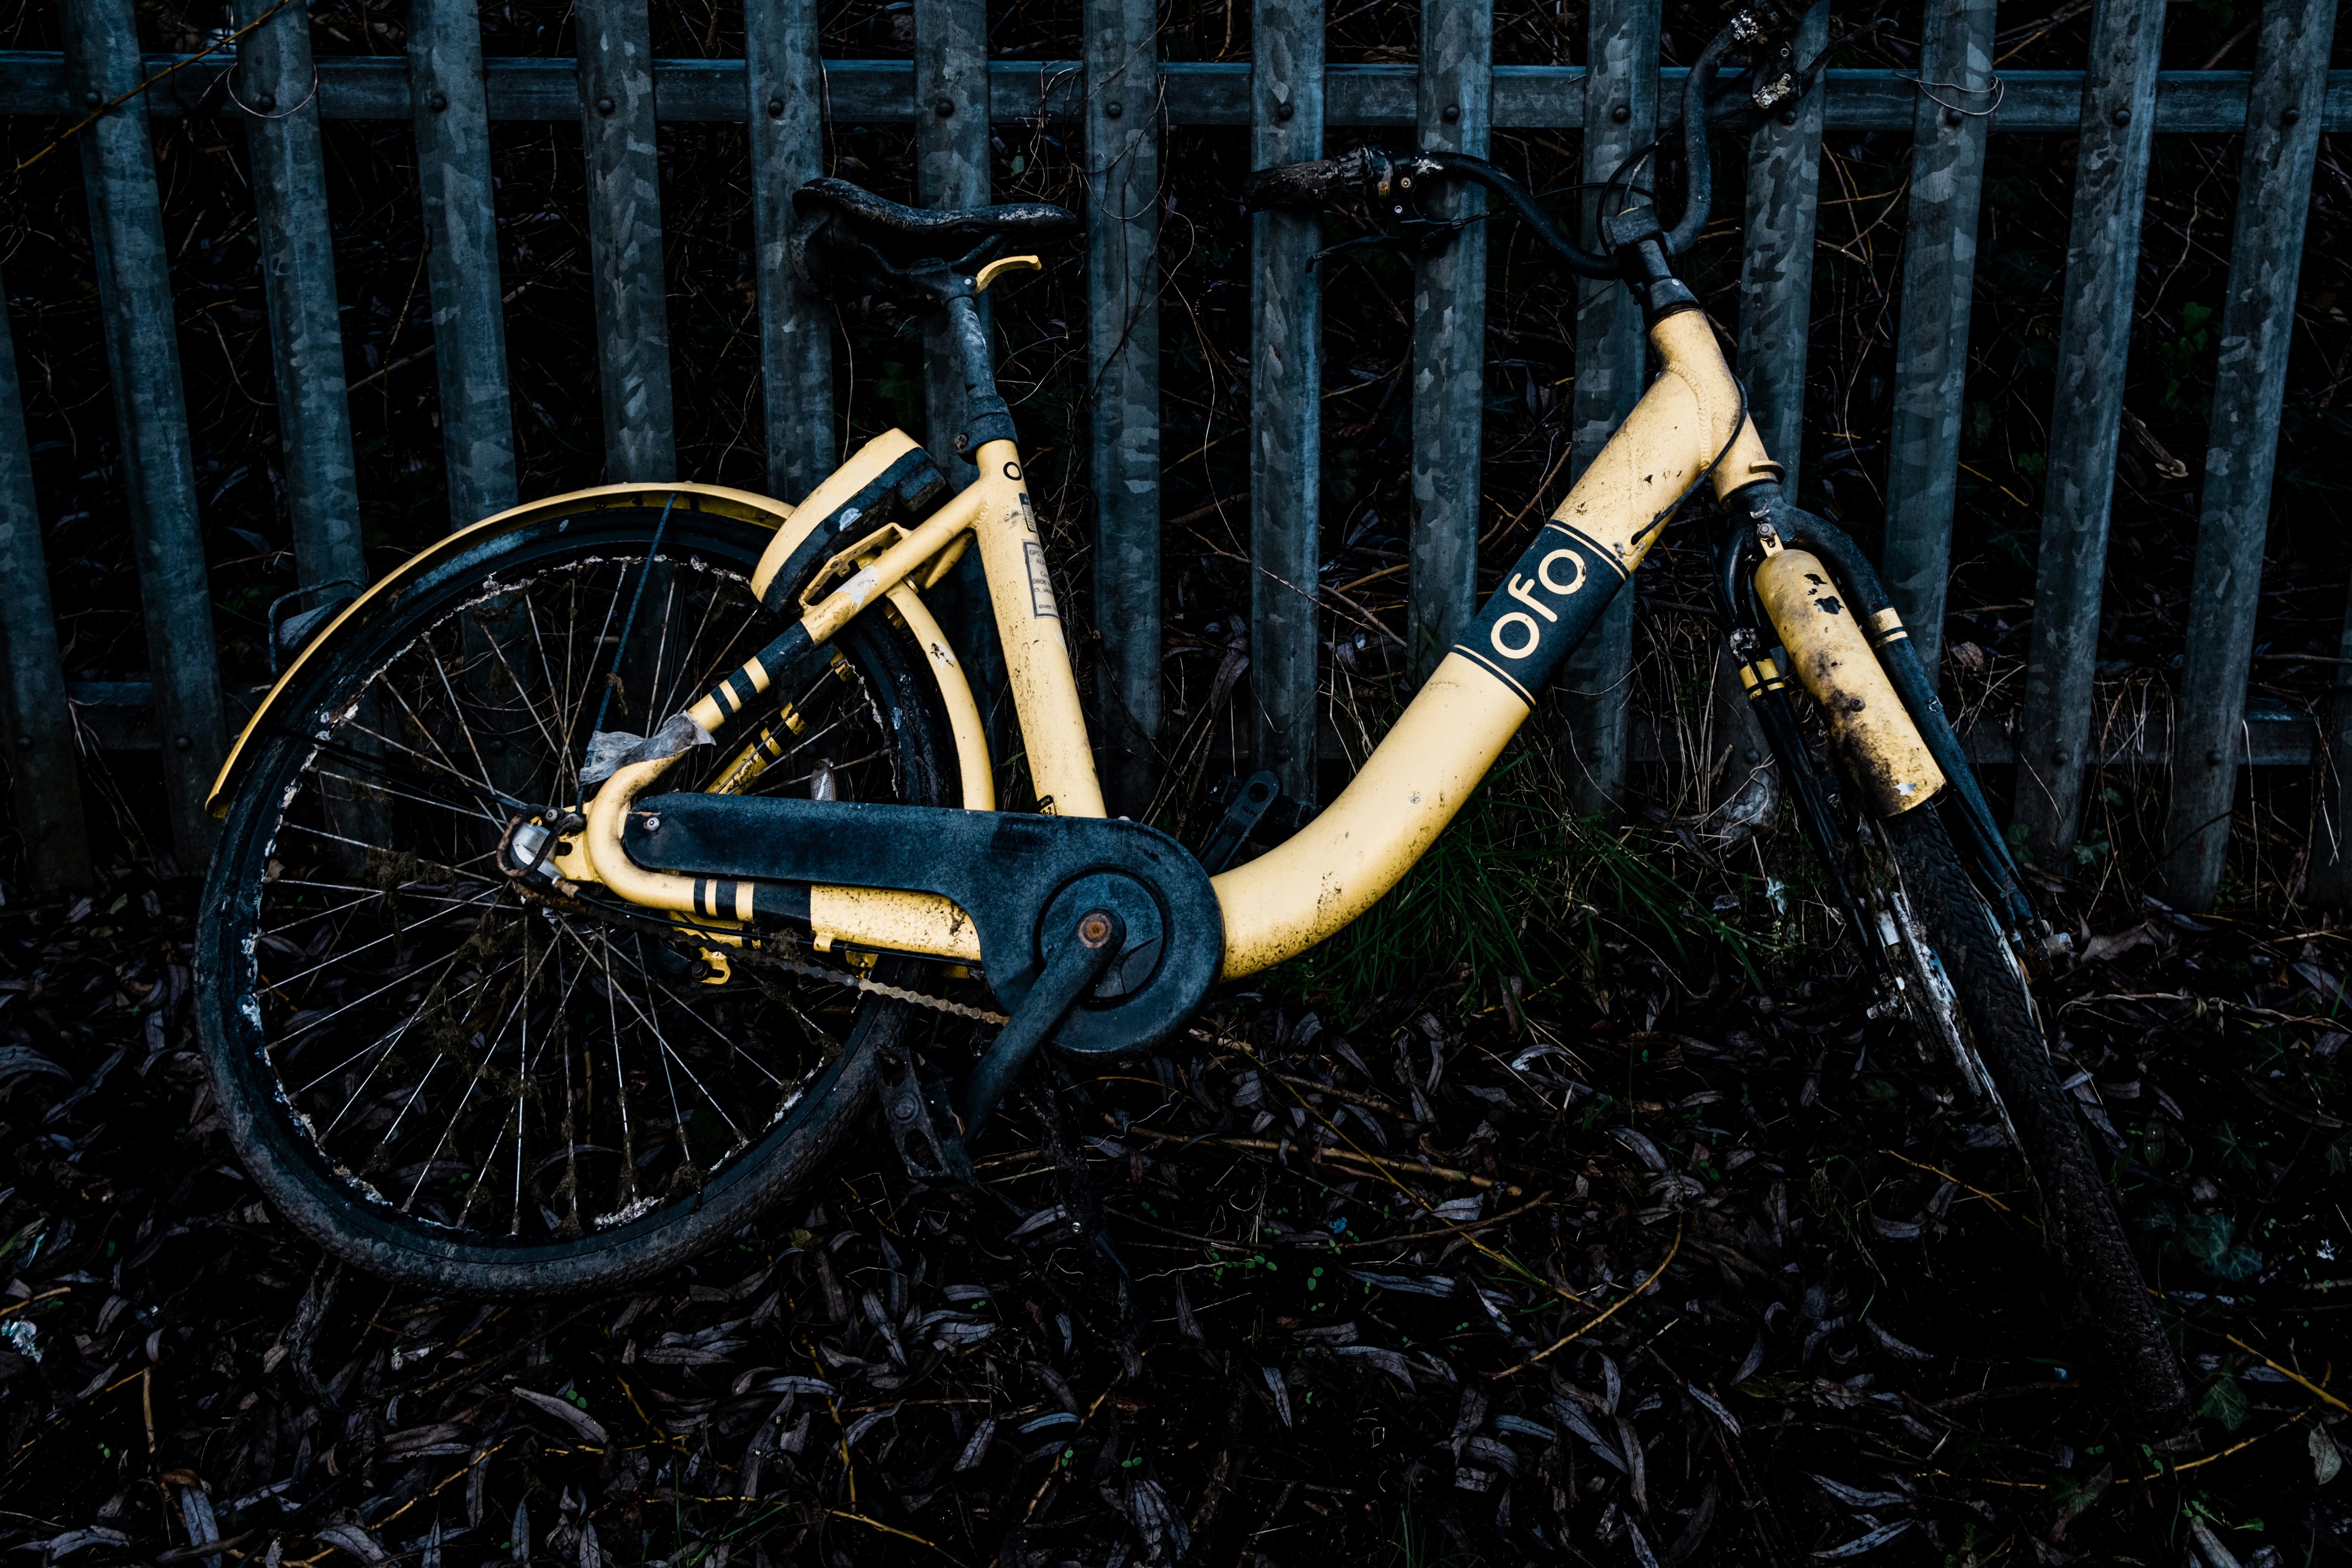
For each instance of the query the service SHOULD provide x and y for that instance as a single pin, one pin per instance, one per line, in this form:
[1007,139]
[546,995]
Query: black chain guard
[1008,870]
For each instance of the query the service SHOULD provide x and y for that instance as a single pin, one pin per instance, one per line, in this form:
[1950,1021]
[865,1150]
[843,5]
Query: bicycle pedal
[1256,812]
[916,1112]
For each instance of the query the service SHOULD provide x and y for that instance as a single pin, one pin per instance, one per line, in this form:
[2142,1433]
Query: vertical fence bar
[451,105]
[1285,405]
[42,767]
[1621,114]
[1776,317]
[785,102]
[952,105]
[624,239]
[143,355]
[278,84]
[2282,148]
[2053,731]
[1449,335]
[1123,354]
[1776,267]
[1931,343]
[951,108]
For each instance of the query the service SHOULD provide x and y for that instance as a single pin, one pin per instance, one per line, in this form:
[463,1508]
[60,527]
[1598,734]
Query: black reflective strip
[781,902]
[722,900]
[779,658]
[702,895]
[719,694]
[1548,601]
[744,688]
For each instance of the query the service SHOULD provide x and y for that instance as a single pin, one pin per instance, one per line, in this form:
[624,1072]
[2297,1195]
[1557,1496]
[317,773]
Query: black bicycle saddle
[851,241]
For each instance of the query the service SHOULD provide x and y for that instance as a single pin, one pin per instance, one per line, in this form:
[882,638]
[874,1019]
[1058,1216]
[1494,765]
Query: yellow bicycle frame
[1304,889]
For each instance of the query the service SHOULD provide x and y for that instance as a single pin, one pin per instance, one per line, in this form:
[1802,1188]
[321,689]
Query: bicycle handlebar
[1316,183]
[1378,176]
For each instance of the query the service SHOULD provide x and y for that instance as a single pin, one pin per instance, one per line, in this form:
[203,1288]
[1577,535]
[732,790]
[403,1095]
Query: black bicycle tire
[292,1171]
[2079,1214]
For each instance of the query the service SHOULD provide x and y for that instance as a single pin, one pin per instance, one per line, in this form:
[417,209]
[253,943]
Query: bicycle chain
[863,983]
[747,954]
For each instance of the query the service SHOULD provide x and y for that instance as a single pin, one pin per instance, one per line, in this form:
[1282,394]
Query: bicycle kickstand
[930,1136]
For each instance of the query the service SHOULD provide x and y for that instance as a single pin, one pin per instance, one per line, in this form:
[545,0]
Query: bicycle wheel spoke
[683,1065]
[389,936]
[445,762]
[406,891]
[458,713]
[567,770]
[498,651]
[474,1080]
[732,1047]
[454,807]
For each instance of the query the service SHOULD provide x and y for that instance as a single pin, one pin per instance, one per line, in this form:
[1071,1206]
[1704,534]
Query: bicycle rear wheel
[454,1083]
[1999,1026]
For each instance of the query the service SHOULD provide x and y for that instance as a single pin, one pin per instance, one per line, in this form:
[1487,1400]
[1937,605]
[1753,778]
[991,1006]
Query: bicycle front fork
[1796,577]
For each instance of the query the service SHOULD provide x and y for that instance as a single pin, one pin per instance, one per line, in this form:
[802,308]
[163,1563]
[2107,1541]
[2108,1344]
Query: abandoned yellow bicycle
[582,878]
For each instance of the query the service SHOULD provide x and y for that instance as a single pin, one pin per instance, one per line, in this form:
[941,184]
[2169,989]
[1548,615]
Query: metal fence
[1123,99]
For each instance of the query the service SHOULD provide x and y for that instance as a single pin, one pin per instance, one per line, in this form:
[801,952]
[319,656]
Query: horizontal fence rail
[1525,97]
[1120,99]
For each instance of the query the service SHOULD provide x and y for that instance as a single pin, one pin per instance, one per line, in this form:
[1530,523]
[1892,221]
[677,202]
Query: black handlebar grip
[1309,184]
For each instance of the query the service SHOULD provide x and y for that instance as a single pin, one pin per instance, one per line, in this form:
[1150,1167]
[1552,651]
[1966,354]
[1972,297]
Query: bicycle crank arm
[1075,965]
[1022,881]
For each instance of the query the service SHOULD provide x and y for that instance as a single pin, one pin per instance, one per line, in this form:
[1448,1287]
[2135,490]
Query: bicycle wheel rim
[635,1198]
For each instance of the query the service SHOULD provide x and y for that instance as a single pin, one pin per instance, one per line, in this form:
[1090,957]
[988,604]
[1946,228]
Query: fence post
[1621,113]
[624,239]
[2274,173]
[1949,122]
[1776,317]
[1123,340]
[142,353]
[451,104]
[2054,731]
[785,103]
[278,85]
[1285,405]
[1776,266]
[952,105]
[43,769]
[1449,335]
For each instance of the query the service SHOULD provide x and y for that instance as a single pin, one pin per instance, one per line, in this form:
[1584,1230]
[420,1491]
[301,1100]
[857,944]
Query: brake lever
[1413,232]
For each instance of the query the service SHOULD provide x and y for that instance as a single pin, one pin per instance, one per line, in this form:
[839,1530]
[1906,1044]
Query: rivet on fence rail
[1122,151]
[1285,405]
[451,111]
[143,353]
[784,105]
[2281,150]
[2094,337]
[1621,114]
[1956,93]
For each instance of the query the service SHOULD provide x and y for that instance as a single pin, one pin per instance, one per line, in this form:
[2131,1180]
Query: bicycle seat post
[986,418]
